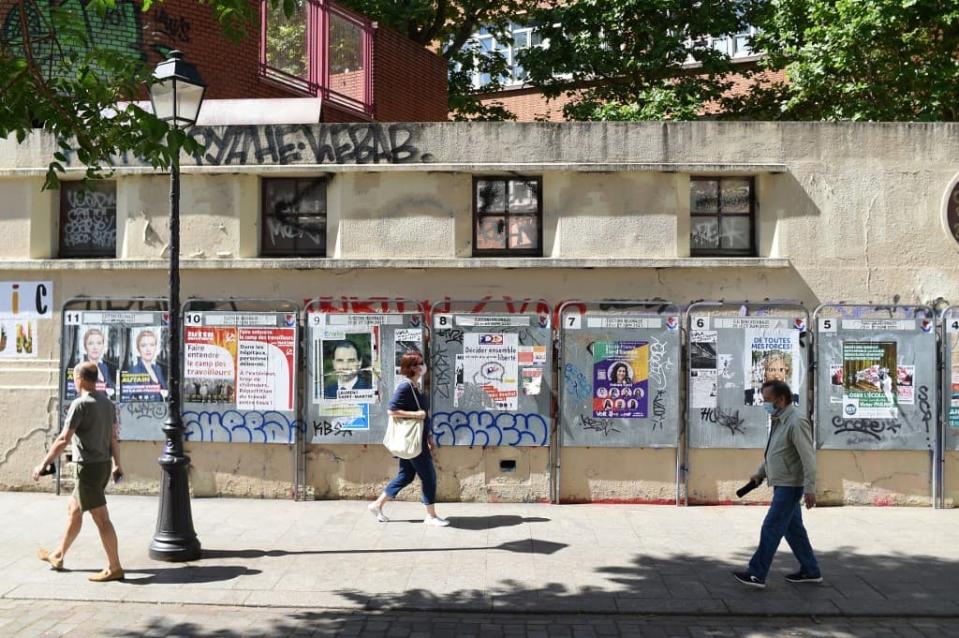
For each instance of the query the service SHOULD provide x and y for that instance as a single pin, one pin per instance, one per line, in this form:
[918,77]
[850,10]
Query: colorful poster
[21,304]
[144,375]
[835,383]
[345,417]
[266,364]
[405,341]
[101,344]
[770,355]
[532,355]
[905,385]
[490,361]
[621,379]
[459,388]
[531,380]
[869,389]
[350,363]
[954,379]
[209,364]
[16,338]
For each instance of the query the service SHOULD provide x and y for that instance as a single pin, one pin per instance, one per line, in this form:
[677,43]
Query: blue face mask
[769,408]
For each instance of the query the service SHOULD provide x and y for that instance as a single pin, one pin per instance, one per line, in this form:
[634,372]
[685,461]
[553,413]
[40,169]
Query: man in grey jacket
[789,466]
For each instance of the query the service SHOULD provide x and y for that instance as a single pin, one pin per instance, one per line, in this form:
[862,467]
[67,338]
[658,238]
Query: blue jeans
[422,466]
[784,518]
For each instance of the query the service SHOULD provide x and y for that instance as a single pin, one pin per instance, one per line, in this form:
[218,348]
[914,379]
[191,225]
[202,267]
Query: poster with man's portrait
[348,363]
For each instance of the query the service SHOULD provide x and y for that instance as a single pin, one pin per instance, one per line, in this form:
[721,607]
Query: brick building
[360,70]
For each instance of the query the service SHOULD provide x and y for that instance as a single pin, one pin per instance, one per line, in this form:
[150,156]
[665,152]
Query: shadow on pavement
[682,585]
[525,546]
[188,574]
[492,522]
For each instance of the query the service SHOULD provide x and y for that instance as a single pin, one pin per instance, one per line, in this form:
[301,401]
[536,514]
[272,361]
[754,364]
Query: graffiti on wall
[484,429]
[233,426]
[364,143]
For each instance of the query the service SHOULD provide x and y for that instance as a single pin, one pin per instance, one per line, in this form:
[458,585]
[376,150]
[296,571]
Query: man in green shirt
[91,424]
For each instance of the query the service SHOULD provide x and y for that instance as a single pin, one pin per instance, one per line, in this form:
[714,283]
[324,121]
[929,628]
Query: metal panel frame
[645,308]
[948,437]
[88,301]
[274,306]
[780,310]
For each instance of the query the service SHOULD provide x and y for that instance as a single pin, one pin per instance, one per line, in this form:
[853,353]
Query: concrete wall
[845,212]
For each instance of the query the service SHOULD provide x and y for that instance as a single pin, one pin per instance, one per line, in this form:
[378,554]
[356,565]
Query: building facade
[461,220]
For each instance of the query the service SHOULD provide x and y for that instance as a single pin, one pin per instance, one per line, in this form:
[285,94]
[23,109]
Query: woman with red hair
[409,403]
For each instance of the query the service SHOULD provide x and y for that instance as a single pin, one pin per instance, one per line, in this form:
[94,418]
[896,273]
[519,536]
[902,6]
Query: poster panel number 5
[827,324]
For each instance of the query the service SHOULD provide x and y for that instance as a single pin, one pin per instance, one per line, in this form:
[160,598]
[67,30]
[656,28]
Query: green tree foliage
[448,26]
[857,60]
[633,59]
[57,75]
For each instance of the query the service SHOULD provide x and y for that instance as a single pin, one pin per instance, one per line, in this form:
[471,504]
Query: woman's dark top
[403,399]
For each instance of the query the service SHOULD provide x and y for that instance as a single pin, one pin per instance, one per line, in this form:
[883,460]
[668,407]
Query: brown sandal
[47,557]
[105,576]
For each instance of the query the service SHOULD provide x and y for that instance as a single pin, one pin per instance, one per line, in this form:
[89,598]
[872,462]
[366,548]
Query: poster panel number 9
[194,318]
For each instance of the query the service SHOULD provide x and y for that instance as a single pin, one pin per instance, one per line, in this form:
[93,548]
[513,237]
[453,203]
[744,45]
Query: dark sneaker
[800,577]
[749,580]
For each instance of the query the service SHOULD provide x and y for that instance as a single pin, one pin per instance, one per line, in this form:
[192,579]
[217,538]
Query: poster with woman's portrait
[771,355]
[144,374]
[97,343]
[621,373]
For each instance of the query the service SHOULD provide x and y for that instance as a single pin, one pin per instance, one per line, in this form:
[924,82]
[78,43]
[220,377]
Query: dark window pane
[703,196]
[88,219]
[490,233]
[523,196]
[490,196]
[735,233]
[524,232]
[736,195]
[286,45]
[294,217]
[704,233]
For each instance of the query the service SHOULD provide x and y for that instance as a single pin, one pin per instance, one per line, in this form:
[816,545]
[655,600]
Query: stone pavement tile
[898,607]
[760,603]
[670,606]
[310,600]
[178,595]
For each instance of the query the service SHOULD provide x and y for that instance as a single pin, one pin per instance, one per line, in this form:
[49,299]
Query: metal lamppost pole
[176,94]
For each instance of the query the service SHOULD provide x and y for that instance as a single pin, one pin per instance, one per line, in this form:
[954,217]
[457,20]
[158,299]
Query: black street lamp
[176,94]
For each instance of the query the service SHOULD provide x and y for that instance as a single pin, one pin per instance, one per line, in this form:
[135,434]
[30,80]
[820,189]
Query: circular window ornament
[950,210]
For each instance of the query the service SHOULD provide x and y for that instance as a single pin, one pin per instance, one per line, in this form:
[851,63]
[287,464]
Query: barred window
[722,213]
[294,217]
[88,219]
[507,216]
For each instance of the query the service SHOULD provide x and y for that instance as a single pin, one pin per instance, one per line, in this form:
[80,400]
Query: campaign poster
[209,364]
[954,380]
[531,380]
[532,355]
[100,344]
[349,361]
[702,350]
[621,379]
[905,385]
[144,375]
[771,355]
[345,417]
[405,341]
[835,383]
[266,364]
[869,388]
[703,389]
[490,361]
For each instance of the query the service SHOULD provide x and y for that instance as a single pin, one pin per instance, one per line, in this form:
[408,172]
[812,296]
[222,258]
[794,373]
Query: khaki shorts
[92,479]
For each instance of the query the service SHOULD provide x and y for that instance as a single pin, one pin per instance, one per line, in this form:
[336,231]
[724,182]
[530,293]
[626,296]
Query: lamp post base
[174,540]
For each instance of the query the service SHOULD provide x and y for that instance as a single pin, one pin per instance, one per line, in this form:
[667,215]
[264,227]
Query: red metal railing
[338,48]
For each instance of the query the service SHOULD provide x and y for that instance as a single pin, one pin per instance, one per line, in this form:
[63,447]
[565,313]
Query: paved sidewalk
[32,618]
[495,558]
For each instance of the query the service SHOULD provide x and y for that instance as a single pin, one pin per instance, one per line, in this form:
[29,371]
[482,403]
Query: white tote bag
[404,436]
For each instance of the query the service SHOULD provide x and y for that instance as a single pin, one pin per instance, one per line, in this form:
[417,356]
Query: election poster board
[22,305]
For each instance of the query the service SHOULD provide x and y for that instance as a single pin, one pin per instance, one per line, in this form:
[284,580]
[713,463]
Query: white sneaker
[436,521]
[378,513]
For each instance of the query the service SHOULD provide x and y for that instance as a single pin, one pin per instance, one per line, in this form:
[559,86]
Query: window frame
[538,215]
[61,225]
[751,251]
[264,228]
